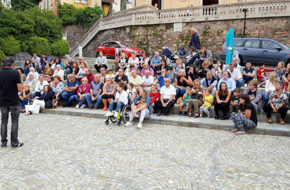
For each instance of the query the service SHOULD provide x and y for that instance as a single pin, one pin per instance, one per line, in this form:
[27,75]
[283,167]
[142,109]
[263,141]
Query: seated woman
[269,87]
[163,65]
[57,87]
[206,66]
[192,73]
[280,70]
[83,89]
[141,107]
[75,68]
[44,101]
[223,96]
[246,118]
[133,60]
[277,103]
[178,66]
[181,82]
[108,93]
[255,95]
[147,68]
[82,71]
[195,102]
[25,96]
[59,72]
[121,99]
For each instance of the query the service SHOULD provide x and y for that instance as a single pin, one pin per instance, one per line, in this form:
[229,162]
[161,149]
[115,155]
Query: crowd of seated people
[202,89]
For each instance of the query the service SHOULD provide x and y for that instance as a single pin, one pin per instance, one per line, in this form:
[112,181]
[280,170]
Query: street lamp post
[245,18]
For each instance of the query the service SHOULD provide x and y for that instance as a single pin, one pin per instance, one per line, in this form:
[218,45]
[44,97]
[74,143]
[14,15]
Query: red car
[109,49]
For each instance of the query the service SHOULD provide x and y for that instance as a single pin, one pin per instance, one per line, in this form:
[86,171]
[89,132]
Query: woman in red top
[84,89]
[154,95]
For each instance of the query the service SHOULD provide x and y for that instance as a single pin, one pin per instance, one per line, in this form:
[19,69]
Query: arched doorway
[210,2]
[156,2]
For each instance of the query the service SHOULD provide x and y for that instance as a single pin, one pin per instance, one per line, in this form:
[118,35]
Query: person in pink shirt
[147,68]
[83,89]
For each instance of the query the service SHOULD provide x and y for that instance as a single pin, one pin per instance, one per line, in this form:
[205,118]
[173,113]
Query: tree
[21,5]
[9,45]
[88,16]
[60,48]
[38,45]
[67,13]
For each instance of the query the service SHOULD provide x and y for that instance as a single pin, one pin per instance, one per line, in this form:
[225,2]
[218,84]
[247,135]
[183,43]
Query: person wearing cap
[10,85]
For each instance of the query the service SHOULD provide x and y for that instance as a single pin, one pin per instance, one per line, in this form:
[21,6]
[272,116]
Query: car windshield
[126,44]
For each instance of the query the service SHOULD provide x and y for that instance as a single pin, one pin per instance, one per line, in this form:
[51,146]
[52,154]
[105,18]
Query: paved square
[66,152]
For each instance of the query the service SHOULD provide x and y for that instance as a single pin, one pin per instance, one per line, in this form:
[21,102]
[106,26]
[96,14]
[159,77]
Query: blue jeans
[37,94]
[119,105]
[69,98]
[239,83]
[90,102]
[179,93]
[23,103]
[265,97]
[247,79]
[15,112]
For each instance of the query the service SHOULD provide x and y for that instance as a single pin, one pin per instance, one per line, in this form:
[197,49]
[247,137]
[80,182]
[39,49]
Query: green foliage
[26,24]
[2,56]
[75,16]
[38,45]
[9,45]
[21,5]
[60,48]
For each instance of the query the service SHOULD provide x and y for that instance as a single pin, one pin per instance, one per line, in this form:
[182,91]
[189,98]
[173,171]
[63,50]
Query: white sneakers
[82,106]
[116,114]
[139,126]
[128,124]
[109,114]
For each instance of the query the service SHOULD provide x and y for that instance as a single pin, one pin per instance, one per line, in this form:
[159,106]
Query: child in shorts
[185,99]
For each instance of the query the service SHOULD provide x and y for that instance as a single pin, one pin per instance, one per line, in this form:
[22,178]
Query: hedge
[38,45]
[9,45]
[60,48]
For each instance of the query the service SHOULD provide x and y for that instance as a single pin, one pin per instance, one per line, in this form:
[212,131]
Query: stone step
[261,116]
[207,123]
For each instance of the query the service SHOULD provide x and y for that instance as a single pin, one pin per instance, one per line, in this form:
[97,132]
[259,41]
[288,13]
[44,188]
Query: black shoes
[19,144]
[4,145]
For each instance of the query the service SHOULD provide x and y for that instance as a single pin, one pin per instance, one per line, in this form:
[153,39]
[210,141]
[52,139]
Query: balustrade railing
[150,15]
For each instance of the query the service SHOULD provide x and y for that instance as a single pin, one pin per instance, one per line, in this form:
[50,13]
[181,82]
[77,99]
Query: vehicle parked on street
[109,49]
[258,51]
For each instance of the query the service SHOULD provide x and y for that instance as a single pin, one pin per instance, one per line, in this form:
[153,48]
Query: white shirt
[148,81]
[36,75]
[236,74]
[60,73]
[39,86]
[123,97]
[136,61]
[167,92]
[131,92]
[101,60]
[269,86]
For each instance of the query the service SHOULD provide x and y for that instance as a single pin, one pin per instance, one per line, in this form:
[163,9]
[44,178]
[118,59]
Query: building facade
[6,3]
[170,4]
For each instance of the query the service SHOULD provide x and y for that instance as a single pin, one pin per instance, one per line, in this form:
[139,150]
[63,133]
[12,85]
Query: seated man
[161,78]
[95,92]
[31,81]
[121,78]
[156,61]
[277,103]
[209,82]
[167,98]
[229,82]
[39,91]
[101,61]
[248,73]
[135,79]
[236,75]
[147,81]
[70,91]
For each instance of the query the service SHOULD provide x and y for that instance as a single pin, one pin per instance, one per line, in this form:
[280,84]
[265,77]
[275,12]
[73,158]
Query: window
[114,45]
[269,45]
[43,5]
[84,1]
[78,1]
[48,4]
[238,42]
[107,44]
[252,44]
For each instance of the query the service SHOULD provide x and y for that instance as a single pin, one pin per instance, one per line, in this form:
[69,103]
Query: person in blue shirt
[156,61]
[161,78]
[69,93]
[43,61]
[231,84]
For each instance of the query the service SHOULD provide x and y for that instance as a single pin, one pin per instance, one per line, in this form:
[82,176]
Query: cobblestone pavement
[67,152]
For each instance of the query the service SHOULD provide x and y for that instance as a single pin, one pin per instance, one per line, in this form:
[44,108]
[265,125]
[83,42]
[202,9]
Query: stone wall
[74,34]
[212,34]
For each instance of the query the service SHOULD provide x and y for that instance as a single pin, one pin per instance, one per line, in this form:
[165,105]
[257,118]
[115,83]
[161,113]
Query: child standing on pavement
[208,100]
[185,99]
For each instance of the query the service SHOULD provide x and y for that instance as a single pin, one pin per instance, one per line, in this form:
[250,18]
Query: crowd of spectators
[201,89]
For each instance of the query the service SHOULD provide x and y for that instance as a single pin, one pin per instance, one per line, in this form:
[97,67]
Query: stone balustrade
[148,15]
